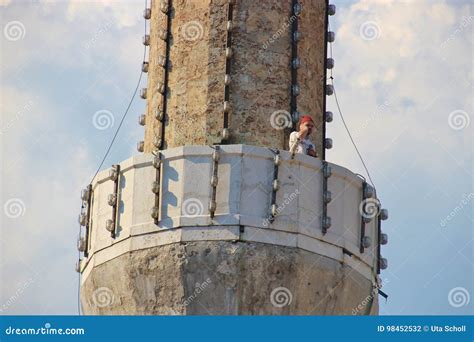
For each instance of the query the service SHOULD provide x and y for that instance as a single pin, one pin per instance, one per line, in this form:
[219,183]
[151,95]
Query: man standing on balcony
[300,140]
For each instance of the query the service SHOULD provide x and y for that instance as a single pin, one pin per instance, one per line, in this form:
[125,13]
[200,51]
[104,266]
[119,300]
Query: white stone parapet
[243,198]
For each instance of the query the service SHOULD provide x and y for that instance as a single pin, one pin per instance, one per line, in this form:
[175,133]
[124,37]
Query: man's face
[310,126]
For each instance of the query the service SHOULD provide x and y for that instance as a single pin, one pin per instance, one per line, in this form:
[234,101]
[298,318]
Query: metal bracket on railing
[379,231]
[327,197]
[88,224]
[214,180]
[368,208]
[113,200]
[275,186]
[382,263]
[227,78]
[155,187]
[84,220]
[362,218]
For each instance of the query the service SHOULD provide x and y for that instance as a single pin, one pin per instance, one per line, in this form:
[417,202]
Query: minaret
[216,216]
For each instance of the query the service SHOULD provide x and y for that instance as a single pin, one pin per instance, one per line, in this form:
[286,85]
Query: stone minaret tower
[215,217]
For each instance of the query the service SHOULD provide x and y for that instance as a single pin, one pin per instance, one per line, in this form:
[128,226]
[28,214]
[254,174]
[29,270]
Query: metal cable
[126,111]
[357,150]
[105,157]
[344,121]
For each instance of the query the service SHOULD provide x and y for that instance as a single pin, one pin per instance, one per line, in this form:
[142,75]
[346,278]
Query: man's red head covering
[306,118]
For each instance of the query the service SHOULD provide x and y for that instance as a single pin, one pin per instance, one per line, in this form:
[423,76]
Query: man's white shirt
[303,146]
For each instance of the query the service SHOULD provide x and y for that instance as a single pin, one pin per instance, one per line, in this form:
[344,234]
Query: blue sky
[403,76]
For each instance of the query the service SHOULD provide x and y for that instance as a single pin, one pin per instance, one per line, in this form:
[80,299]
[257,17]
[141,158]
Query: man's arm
[294,141]
[312,151]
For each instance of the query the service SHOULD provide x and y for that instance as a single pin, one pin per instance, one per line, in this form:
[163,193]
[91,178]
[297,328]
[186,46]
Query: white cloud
[403,66]
[97,34]
[117,12]
[44,168]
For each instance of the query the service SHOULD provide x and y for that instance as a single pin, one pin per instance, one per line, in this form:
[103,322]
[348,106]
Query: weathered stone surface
[260,71]
[311,73]
[225,278]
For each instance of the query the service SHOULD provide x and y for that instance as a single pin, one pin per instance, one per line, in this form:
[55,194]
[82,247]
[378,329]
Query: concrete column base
[226,278]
